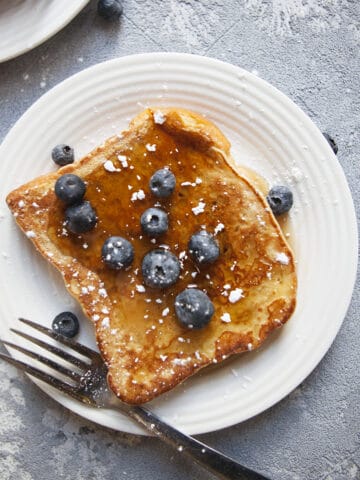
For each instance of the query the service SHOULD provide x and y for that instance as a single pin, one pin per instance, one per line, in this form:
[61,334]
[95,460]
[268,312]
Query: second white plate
[24,24]
[269,134]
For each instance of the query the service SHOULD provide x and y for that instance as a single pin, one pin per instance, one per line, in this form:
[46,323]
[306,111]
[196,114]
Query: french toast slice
[252,284]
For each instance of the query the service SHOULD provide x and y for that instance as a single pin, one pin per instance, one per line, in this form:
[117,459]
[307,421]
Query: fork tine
[52,381]
[46,361]
[78,347]
[52,349]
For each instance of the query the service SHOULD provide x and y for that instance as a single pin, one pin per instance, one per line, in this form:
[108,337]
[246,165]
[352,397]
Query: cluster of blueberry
[80,217]
[160,268]
[70,189]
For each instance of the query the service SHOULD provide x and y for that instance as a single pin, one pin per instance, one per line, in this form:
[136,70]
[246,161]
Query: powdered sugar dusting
[123,160]
[150,148]
[219,228]
[236,295]
[159,117]
[110,167]
[225,317]
[140,195]
[200,208]
[282,258]
[103,292]
[279,16]
[184,18]
[105,322]
[198,181]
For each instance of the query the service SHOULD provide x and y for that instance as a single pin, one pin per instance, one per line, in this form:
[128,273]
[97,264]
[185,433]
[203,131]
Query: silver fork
[88,385]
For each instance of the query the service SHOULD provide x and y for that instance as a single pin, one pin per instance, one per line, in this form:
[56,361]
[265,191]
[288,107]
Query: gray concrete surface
[309,50]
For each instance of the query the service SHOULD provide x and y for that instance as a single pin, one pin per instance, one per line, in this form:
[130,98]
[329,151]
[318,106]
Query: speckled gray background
[308,49]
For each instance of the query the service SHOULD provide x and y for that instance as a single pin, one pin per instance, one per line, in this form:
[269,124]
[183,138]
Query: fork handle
[217,463]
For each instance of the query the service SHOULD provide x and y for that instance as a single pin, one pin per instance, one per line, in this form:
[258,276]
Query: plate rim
[160,56]
[42,39]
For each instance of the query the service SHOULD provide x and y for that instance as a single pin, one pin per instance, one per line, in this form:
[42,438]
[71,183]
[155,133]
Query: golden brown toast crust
[146,350]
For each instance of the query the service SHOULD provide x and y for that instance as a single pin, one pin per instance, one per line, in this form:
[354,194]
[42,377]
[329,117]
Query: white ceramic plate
[24,24]
[268,133]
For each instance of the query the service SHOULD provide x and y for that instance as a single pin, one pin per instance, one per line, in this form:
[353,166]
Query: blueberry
[70,188]
[154,222]
[203,247]
[280,199]
[160,268]
[109,9]
[80,218]
[193,308]
[117,253]
[66,323]
[331,142]
[62,154]
[162,183]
